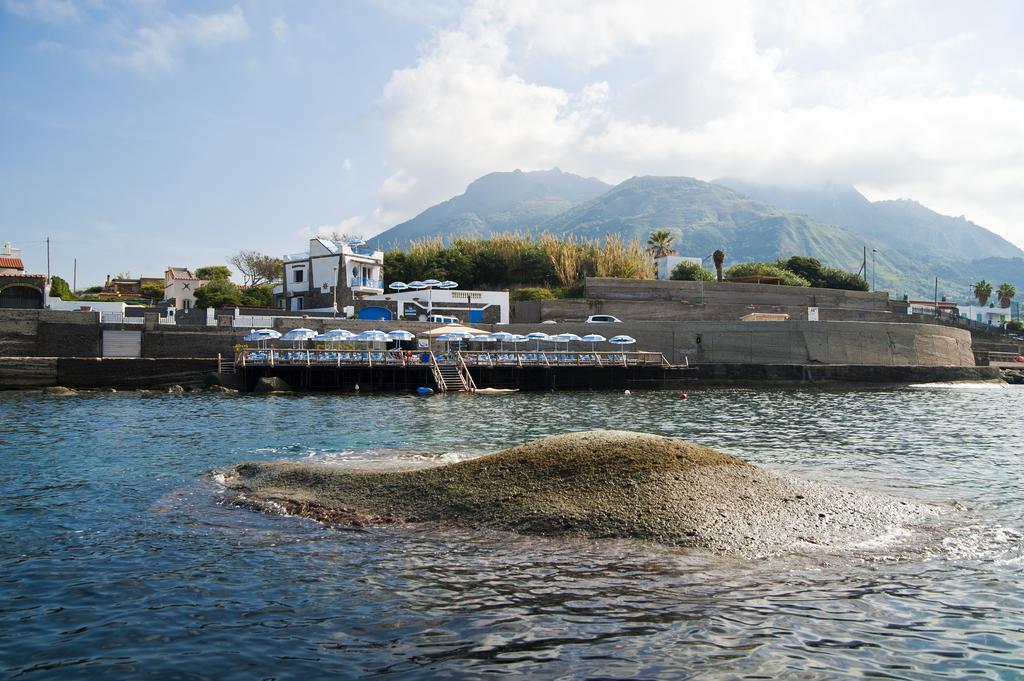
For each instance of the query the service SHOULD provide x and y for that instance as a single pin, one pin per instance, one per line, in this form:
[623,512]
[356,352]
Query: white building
[993,316]
[329,273]
[666,263]
[472,307]
[180,286]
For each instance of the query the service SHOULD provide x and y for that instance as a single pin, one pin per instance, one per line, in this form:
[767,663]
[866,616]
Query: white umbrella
[371,336]
[299,336]
[416,285]
[448,284]
[593,338]
[431,282]
[538,336]
[334,335]
[565,338]
[502,337]
[400,335]
[261,336]
[622,340]
[398,286]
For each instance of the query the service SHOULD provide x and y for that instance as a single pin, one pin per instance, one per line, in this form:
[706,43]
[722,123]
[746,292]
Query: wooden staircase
[225,366]
[452,377]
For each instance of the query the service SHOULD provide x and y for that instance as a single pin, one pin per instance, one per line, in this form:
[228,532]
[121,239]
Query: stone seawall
[95,372]
[44,333]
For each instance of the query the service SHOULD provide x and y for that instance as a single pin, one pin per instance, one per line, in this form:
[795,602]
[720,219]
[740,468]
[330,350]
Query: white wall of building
[996,316]
[75,305]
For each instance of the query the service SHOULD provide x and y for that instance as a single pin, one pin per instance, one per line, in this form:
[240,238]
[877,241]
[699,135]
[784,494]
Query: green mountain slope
[498,202]
[703,217]
[902,224]
[954,249]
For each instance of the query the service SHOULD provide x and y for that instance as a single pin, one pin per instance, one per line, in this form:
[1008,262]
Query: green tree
[153,291]
[691,271]
[261,295]
[982,291]
[833,277]
[214,273]
[659,243]
[806,267]
[1005,294]
[60,289]
[218,294]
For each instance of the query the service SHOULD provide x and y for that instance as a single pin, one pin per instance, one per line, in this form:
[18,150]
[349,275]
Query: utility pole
[936,296]
[47,260]
[874,270]
[74,277]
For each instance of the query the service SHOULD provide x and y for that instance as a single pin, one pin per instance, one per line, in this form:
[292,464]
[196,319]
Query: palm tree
[659,244]
[1005,294]
[719,257]
[982,291]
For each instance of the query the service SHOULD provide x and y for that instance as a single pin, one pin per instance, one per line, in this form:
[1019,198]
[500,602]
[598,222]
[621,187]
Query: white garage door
[122,343]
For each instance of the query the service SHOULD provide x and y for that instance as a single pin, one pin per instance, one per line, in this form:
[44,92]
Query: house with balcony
[329,274]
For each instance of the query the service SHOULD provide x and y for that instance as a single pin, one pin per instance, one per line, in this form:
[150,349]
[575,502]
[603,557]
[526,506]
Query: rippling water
[119,557]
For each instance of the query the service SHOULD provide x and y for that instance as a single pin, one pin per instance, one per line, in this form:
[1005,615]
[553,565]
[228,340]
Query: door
[476,316]
[122,343]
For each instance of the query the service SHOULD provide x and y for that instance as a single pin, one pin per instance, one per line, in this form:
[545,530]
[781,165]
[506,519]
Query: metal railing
[463,360]
[365,282]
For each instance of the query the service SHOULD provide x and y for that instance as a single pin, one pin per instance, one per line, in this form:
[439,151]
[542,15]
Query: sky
[139,135]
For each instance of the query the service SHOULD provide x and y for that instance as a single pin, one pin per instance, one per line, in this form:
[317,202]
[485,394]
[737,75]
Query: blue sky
[144,134]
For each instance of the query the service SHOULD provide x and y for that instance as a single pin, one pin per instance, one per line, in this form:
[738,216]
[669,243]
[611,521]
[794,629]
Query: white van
[442,319]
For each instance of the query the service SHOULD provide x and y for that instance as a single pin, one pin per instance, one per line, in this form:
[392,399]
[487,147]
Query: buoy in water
[357,387]
[424,391]
[626,392]
[683,396]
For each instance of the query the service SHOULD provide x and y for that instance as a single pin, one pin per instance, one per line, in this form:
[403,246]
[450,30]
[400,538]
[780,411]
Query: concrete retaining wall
[866,343]
[713,293]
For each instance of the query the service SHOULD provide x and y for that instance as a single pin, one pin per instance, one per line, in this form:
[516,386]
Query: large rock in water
[610,484]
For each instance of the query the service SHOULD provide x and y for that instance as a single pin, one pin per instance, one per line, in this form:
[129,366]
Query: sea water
[122,557]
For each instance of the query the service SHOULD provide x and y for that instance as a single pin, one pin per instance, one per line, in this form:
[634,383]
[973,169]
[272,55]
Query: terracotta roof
[181,273]
[22,275]
[6,261]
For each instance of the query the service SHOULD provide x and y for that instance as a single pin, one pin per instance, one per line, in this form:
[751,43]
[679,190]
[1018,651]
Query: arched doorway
[21,296]
[382,314]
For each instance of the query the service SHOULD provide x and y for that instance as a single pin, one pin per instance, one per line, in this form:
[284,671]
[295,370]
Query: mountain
[907,245]
[902,224]
[498,202]
[703,217]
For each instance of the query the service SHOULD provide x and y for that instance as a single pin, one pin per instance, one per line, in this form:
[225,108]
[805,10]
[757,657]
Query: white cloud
[620,88]
[157,47]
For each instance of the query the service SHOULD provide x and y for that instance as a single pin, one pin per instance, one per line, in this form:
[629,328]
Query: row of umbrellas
[418,285]
[341,335]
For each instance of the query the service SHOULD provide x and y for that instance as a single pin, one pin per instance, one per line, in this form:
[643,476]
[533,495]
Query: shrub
[833,277]
[532,294]
[60,289]
[804,266]
[691,271]
[214,273]
[1016,325]
[750,269]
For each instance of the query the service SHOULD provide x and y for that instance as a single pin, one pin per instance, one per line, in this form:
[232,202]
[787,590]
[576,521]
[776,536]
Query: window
[299,273]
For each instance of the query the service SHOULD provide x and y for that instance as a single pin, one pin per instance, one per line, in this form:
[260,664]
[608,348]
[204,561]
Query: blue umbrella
[431,282]
[593,338]
[448,284]
[417,285]
[398,286]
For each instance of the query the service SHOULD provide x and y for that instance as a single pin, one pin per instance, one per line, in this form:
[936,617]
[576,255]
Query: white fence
[252,322]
